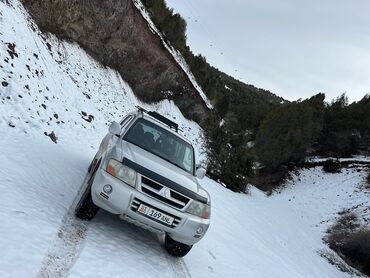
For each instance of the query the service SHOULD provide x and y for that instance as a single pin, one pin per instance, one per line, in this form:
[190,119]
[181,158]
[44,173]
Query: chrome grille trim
[158,191]
[135,204]
[151,183]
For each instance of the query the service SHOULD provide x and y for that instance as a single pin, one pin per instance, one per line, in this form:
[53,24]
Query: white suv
[145,172]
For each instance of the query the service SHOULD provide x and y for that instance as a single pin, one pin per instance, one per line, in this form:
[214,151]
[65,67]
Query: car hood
[161,167]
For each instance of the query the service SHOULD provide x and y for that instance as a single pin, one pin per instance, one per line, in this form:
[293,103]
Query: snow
[312,191]
[68,82]
[250,144]
[228,88]
[250,235]
[353,158]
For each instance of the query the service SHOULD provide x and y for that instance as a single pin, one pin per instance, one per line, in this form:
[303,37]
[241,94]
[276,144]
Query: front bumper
[124,201]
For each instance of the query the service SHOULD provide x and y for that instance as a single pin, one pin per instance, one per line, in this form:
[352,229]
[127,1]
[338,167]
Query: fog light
[107,188]
[200,230]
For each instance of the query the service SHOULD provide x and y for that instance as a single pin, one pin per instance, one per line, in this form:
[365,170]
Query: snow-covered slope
[318,197]
[250,236]
[50,85]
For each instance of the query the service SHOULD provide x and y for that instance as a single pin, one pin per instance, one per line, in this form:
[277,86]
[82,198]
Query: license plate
[155,214]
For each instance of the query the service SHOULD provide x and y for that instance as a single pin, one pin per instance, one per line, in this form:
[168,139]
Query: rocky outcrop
[115,33]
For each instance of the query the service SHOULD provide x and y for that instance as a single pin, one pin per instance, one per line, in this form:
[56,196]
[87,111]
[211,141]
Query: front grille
[161,198]
[179,197]
[158,191]
[151,183]
[136,204]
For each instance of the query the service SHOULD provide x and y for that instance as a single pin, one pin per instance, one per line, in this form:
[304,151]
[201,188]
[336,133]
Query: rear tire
[175,248]
[86,209]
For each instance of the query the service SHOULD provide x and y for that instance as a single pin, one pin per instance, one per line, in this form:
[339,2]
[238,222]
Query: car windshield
[162,143]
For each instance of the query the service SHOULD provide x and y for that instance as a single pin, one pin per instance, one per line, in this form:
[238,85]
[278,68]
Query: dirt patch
[52,136]
[268,182]
[11,50]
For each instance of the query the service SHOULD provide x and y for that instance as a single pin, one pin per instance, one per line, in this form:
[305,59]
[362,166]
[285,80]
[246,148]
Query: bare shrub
[357,249]
[345,225]
[351,242]
[332,166]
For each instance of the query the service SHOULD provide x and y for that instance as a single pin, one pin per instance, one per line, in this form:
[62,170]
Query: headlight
[122,172]
[199,209]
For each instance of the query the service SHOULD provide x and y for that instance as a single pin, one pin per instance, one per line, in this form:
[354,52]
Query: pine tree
[288,131]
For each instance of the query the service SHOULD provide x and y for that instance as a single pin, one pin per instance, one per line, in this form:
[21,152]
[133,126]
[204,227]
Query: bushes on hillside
[241,106]
[347,223]
[284,131]
[171,24]
[228,160]
[356,247]
[332,166]
[351,242]
[287,132]
[346,129]
[243,103]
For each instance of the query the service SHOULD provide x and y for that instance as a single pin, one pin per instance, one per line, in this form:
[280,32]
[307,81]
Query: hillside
[117,35]
[145,41]
[242,105]
[250,124]
[54,87]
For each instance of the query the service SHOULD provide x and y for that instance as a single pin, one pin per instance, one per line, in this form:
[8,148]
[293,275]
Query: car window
[162,143]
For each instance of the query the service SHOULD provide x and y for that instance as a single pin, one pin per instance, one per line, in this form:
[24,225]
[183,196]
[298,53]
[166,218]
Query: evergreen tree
[346,127]
[288,131]
[228,160]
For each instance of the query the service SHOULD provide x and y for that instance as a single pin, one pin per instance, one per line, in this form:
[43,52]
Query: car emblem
[165,192]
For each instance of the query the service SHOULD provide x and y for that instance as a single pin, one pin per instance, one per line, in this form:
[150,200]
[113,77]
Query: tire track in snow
[65,247]
[178,267]
[67,243]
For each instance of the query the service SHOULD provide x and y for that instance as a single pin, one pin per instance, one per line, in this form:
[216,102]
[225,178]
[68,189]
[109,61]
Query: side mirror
[200,173]
[115,128]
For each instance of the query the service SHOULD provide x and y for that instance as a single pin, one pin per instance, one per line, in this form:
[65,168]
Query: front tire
[86,209]
[175,248]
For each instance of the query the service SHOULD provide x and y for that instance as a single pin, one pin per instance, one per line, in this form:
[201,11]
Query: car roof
[161,124]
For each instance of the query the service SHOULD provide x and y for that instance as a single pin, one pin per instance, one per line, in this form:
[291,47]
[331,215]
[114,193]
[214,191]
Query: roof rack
[159,117]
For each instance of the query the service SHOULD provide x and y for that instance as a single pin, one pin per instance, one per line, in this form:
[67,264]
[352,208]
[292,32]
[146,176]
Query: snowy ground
[353,158]
[312,192]
[54,86]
